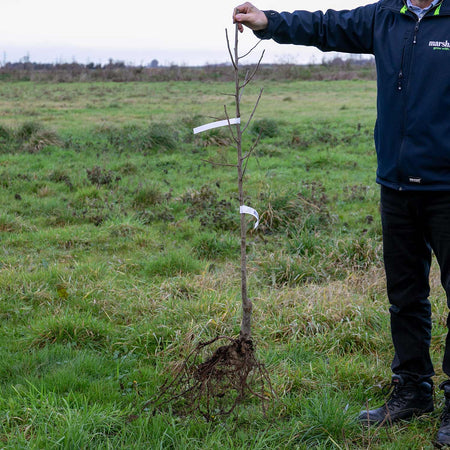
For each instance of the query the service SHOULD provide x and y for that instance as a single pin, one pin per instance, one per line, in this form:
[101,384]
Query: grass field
[119,252]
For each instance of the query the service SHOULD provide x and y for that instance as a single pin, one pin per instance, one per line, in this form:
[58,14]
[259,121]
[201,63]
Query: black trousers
[414,225]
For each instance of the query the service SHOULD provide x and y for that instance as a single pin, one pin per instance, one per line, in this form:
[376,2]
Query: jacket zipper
[400,88]
[400,74]
[416,29]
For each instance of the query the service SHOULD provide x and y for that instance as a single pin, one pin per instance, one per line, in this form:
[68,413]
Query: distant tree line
[119,71]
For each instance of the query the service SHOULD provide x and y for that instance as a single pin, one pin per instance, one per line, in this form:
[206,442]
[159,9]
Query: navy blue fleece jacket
[412,132]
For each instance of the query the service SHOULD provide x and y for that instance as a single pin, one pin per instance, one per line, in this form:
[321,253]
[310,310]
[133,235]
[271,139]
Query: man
[411,43]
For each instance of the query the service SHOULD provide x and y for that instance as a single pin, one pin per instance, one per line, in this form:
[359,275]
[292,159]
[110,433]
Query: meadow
[119,252]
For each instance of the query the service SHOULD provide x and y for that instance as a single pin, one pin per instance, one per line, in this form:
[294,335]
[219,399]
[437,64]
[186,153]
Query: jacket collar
[397,5]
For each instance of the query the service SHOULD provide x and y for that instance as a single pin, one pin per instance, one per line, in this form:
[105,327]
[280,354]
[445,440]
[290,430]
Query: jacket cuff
[272,18]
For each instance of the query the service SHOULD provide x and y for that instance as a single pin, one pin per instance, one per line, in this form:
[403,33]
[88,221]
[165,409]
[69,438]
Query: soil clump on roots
[214,385]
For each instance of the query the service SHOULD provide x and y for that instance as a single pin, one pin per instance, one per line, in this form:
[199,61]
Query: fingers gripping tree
[214,385]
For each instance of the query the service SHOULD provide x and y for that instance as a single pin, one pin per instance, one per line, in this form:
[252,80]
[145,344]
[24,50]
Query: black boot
[443,436]
[407,399]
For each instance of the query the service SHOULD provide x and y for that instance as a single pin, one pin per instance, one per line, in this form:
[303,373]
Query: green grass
[119,251]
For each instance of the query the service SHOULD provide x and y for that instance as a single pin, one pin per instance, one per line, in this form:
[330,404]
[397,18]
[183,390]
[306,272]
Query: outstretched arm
[250,16]
[348,31]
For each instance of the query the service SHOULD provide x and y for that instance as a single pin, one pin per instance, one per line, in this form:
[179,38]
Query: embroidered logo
[440,45]
[415,180]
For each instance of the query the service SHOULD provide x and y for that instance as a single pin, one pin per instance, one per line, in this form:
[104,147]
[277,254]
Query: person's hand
[250,16]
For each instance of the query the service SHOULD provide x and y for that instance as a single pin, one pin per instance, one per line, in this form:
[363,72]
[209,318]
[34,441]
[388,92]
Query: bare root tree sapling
[215,384]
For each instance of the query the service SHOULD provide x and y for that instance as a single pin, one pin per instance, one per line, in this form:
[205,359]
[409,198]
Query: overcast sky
[138,31]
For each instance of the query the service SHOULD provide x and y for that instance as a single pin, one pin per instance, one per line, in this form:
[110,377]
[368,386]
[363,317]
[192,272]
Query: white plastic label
[220,123]
[247,210]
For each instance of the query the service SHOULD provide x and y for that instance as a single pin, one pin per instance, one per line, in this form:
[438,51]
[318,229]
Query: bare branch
[254,109]
[254,71]
[229,50]
[246,157]
[253,48]
[235,138]
[241,91]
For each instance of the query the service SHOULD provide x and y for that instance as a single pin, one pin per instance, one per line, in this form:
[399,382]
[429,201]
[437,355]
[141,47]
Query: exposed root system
[214,386]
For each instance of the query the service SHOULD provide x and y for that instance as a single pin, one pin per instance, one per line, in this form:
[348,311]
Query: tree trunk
[245,332]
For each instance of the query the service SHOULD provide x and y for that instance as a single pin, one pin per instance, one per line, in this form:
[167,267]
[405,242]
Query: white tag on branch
[247,210]
[220,123]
